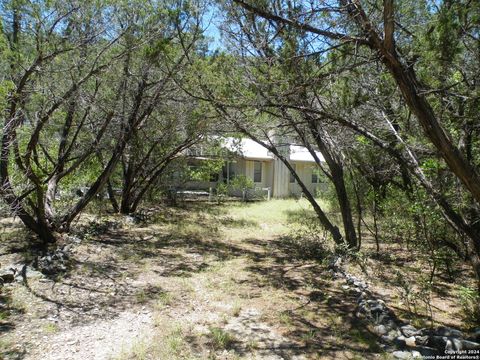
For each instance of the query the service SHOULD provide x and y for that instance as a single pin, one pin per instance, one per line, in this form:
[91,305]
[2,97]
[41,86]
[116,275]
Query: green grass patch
[221,340]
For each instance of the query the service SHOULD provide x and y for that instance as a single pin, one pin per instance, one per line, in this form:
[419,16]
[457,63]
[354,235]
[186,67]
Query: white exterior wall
[281,178]
[284,188]
[266,173]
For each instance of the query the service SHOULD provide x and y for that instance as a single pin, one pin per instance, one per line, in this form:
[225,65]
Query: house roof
[300,153]
[249,149]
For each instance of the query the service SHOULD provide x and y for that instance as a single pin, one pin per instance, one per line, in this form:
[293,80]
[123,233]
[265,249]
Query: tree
[351,28]
[55,125]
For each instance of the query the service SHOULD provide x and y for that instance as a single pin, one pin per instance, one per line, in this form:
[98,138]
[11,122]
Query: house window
[257,171]
[292,178]
[314,176]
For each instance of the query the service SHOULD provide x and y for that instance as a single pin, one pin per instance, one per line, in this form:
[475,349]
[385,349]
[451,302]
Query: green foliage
[308,240]
[241,182]
[6,87]
[221,339]
[470,300]
[205,169]
[222,189]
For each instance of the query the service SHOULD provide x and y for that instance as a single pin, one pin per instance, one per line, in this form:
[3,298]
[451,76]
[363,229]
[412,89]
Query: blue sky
[212,22]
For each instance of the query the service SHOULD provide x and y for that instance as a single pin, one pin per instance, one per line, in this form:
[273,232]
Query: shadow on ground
[116,269]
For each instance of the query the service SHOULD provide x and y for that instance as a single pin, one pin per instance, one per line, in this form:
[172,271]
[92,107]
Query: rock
[475,336]
[381,318]
[469,345]
[437,342]
[416,354]
[54,262]
[421,340]
[387,338]
[32,273]
[335,263]
[375,306]
[409,330]
[7,277]
[447,331]
[363,295]
[74,239]
[357,290]
[428,351]
[400,341]
[130,220]
[457,344]
[380,330]
[390,323]
[402,354]
[410,341]
[394,333]
[449,345]
[360,315]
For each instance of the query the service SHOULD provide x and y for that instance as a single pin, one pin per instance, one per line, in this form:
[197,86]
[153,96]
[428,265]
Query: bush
[470,302]
[221,339]
[241,182]
[308,240]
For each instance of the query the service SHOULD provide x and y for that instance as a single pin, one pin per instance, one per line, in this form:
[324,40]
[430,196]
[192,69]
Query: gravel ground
[100,340]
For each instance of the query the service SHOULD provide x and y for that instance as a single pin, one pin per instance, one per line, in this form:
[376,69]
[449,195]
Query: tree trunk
[338,180]
[375,225]
[126,205]
[411,90]
[359,211]
[127,199]
[111,197]
[46,235]
[333,229]
[50,198]
[345,208]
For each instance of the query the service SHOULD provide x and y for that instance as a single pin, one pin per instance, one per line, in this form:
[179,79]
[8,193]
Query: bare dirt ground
[200,282]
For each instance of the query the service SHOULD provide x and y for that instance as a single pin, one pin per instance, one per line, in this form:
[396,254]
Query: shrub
[220,338]
[470,302]
[308,240]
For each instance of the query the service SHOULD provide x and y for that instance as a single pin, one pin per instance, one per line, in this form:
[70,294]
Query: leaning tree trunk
[111,197]
[322,217]
[406,80]
[338,179]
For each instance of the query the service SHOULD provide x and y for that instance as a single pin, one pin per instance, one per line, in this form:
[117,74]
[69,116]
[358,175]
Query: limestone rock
[449,332]
[380,330]
[410,341]
[409,330]
[469,345]
[402,355]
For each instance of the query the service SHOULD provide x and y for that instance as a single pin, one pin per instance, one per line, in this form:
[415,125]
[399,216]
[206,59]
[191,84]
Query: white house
[265,169]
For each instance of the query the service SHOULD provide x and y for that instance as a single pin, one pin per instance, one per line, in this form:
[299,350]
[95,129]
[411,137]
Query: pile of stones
[54,262]
[17,273]
[402,340]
